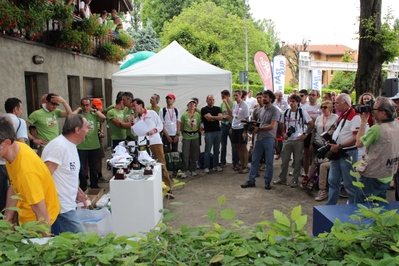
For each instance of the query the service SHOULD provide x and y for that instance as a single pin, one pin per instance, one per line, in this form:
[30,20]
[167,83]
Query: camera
[367,108]
[322,151]
[250,125]
[290,131]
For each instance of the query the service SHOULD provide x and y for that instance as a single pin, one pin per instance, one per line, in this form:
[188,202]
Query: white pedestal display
[136,203]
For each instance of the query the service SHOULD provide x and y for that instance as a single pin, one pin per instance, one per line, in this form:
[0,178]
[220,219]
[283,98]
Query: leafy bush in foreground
[283,242]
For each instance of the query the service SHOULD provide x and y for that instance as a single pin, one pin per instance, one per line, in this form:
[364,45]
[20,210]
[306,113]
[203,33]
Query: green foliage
[111,52]
[145,39]
[213,35]
[123,40]
[387,36]
[283,242]
[342,80]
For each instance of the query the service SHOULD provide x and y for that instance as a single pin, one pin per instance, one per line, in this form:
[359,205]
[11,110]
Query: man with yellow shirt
[30,180]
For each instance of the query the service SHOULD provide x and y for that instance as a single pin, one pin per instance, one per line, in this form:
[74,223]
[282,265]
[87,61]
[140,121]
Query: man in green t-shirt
[89,149]
[226,106]
[46,120]
[154,100]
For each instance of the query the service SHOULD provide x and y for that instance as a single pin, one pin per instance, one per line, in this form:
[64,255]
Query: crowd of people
[51,179]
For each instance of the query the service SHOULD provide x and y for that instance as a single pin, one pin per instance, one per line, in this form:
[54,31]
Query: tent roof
[173,60]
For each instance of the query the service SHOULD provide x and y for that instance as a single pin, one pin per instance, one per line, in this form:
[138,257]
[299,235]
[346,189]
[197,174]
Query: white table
[136,203]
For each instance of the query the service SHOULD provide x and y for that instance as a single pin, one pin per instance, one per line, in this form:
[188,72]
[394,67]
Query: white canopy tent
[173,70]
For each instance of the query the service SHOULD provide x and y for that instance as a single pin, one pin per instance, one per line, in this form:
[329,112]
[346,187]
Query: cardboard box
[94,194]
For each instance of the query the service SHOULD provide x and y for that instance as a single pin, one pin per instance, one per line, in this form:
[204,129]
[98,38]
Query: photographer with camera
[265,133]
[344,153]
[294,120]
[380,162]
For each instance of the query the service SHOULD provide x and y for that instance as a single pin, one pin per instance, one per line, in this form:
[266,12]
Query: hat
[396,97]
[97,103]
[191,100]
[170,95]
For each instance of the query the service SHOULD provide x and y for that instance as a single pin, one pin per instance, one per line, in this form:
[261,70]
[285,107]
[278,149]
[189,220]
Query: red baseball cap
[170,95]
[97,103]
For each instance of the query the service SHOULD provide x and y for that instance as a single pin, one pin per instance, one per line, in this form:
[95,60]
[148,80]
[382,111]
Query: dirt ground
[252,205]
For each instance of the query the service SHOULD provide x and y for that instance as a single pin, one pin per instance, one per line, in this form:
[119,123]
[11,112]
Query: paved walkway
[251,204]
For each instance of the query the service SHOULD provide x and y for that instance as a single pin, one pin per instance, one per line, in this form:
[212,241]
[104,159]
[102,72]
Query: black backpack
[164,112]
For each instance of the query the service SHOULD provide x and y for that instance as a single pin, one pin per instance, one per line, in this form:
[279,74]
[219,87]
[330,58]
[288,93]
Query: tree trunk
[370,60]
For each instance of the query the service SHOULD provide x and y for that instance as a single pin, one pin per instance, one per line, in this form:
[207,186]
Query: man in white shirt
[251,102]
[170,117]
[154,123]
[280,101]
[62,159]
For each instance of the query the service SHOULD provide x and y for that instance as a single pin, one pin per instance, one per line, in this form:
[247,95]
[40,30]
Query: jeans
[291,146]
[225,133]
[3,187]
[340,169]
[69,222]
[265,146]
[372,187]
[212,139]
[90,156]
[190,150]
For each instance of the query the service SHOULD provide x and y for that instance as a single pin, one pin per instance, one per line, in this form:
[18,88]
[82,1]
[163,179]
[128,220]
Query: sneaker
[183,175]
[248,184]
[305,179]
[262,167]
[343,193]
[193,173]
[236,167]
[245,170]
[268,186]
[280,182]
[322,195]
[102,180]
[218,168]
[206,171]
[294,184]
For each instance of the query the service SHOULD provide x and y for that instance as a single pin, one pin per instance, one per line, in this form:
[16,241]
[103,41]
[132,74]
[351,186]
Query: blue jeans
[372,187]
[212,139]
[265,146]
[225,133]
[340,169]
[90,156]
[69,222]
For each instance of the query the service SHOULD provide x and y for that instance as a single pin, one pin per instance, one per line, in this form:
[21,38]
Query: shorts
[306,142]
[236,136]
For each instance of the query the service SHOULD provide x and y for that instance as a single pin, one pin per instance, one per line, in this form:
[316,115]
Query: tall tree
[145,39]
[377,43]
[291,53]
[135,14]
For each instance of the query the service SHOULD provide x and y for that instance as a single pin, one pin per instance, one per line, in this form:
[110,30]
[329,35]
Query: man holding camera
[294,120]
[268,117]
[344,150]
[380,162]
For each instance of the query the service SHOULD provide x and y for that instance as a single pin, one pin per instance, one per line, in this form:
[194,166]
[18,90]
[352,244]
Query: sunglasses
[323,107]
[301,95]
[54,104]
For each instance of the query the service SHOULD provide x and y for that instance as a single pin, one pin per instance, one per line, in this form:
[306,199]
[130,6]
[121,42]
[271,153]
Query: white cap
[396,97]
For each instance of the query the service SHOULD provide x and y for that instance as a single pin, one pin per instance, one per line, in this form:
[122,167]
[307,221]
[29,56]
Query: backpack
[300,116]
[164,112]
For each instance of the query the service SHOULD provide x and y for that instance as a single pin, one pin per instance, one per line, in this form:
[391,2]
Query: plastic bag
[99,221]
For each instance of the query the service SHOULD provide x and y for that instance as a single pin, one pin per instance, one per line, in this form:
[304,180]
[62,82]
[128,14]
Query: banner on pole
[279,73]
[264,68]
[316,79]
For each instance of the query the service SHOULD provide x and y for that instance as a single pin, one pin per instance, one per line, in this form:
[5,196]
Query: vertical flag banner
[316,79]
[279,73]
[264,68]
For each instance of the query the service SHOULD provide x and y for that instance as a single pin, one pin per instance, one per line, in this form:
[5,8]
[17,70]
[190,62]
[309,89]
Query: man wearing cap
[89,148]
[170,118]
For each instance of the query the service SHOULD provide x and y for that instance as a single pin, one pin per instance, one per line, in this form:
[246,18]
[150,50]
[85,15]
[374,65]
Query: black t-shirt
[210,126]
